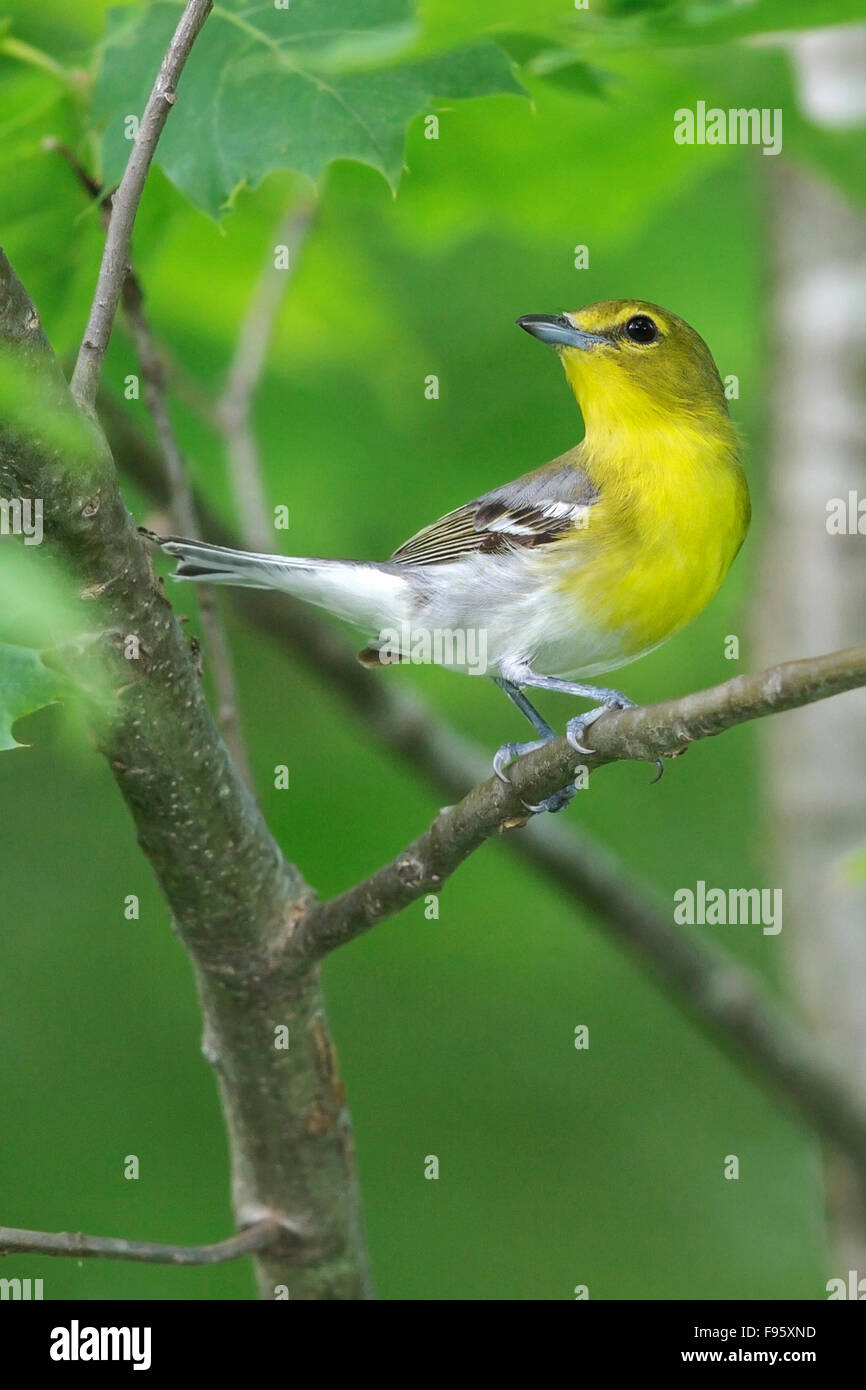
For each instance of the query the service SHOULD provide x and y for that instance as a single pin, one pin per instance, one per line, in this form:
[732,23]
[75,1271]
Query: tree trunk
[813,595]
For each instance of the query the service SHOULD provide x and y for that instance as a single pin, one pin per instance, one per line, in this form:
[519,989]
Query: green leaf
[26,685]
[268,88]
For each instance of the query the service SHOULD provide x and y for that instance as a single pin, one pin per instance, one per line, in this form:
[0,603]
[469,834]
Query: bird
[572,570]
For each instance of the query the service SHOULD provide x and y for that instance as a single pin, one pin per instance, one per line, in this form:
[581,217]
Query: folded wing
[532,511]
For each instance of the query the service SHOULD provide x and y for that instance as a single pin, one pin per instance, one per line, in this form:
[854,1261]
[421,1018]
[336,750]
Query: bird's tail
[370,595]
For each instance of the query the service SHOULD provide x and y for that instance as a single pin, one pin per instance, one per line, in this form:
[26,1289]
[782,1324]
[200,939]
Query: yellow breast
[672,514]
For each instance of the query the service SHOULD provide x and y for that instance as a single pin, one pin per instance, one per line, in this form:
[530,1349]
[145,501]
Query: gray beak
[558,330]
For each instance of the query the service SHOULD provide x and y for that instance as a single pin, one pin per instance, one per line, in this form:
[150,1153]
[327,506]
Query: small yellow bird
[577,568]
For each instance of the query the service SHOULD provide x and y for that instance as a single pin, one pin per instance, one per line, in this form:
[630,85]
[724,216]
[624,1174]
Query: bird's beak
[558,330]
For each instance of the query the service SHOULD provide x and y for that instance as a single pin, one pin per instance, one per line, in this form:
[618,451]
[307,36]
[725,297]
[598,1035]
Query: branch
[721,996]
[115,257]
[644,732]
[80,1247]
[232,895]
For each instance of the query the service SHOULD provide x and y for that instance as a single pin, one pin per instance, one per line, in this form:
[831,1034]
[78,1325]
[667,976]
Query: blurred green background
[557,1167]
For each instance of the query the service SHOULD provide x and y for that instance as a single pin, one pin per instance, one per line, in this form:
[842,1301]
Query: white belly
[495,614]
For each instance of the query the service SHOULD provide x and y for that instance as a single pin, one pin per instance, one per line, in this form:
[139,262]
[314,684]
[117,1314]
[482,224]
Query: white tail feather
[371,596]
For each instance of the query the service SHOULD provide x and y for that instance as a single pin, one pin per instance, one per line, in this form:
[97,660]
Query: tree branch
[644,732]
[80,1247]
[721,996]
[232,894]
[115,257]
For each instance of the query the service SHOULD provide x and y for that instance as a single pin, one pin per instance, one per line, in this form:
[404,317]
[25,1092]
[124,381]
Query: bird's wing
[532,511]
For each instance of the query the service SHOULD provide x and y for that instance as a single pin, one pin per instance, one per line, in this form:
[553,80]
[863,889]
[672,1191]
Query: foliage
[326,87]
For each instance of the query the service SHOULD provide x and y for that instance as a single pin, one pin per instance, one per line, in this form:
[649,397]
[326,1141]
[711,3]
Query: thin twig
[115,257]
[232,412]
[80,1247]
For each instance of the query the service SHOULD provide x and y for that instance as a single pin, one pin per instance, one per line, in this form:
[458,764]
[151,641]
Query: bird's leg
[578,725]
[509,751]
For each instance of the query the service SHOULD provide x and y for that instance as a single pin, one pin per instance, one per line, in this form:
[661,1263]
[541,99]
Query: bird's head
[631,361]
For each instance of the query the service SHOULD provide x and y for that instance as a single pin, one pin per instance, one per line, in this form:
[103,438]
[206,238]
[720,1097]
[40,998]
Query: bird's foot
[557,801]
[510,751]
[577,727]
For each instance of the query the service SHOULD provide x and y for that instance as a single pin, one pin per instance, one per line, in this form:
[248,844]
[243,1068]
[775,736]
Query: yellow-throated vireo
[573,569]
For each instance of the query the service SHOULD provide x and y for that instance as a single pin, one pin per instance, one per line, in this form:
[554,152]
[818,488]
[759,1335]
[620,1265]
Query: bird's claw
[510,751]
[507,754]
[578,725]
[557,801]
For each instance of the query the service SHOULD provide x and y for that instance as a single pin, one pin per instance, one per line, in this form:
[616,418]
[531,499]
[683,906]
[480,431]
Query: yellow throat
[665,457]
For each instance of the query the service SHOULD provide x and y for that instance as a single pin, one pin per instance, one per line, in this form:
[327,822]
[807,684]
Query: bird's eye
[641,329]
